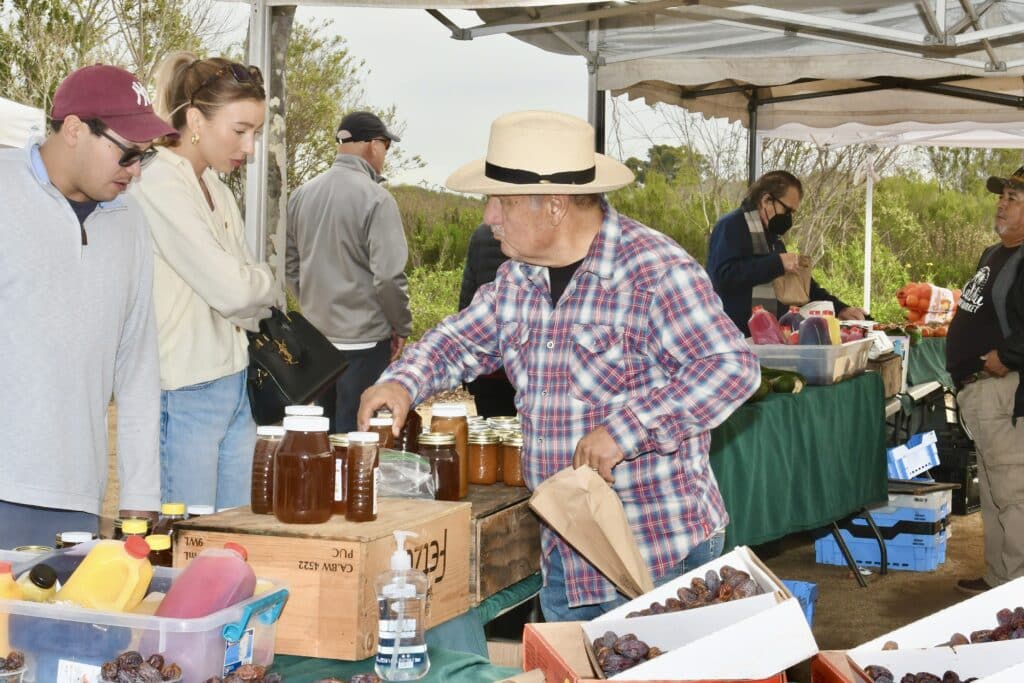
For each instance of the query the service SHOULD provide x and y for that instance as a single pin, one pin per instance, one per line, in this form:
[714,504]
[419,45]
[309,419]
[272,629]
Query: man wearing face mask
[745,251]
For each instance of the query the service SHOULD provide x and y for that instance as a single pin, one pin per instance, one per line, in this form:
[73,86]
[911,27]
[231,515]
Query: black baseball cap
[360,126]
[996,185]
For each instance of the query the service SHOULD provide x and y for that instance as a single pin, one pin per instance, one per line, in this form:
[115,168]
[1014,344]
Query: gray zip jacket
[78,329]
[346,255]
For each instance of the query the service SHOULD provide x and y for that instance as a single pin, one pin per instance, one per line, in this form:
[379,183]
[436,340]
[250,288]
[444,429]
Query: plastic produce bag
[405,475]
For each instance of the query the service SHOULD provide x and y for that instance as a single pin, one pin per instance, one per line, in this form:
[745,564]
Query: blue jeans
[555,605]
[207,437]
[32,525]
[364,368]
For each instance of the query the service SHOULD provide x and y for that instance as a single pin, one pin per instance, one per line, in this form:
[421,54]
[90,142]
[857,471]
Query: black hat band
[518,176]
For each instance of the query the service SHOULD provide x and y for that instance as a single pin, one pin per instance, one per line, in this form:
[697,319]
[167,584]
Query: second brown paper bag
[587,513]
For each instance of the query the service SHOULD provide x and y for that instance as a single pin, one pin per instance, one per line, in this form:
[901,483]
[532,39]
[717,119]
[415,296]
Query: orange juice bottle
[8,591]
[113,577]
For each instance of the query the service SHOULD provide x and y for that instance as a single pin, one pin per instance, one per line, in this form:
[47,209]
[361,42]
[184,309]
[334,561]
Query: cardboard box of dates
[706,616]
[980,639]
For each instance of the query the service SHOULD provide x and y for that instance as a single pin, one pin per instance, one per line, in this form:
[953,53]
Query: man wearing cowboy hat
[618,348]
[984,354]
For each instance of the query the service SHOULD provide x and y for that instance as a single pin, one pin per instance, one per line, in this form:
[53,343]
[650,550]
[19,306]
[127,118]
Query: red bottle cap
[238,548]
[5,567]
[136,546]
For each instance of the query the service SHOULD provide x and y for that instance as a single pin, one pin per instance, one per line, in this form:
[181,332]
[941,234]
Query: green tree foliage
[324,82]
[433,296]
[965,168]
[675,164]
[438,226]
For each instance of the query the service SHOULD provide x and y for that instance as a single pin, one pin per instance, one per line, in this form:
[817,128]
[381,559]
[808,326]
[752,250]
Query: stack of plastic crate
[912,526]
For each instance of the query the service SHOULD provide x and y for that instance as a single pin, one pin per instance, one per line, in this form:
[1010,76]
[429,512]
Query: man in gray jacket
[345,260]
[77,294]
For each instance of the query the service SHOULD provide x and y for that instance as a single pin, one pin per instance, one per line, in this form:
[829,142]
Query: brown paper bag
[794,289]
[588,514]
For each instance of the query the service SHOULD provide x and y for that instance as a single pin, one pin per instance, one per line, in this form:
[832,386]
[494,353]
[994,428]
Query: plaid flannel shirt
[638,344]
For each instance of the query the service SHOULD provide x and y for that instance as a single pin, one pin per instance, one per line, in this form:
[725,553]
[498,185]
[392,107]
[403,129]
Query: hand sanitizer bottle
[401,609]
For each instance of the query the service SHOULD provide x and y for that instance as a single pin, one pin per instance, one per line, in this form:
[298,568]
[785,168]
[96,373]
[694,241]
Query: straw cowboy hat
[540,152]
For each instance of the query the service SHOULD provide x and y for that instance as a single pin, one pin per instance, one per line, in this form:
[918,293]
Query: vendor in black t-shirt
[984,352]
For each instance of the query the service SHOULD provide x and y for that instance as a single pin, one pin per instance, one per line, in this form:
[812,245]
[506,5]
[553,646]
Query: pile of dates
[130,667]
[14,661]
[247,673]
[1010,626]
[879,674]
[618,653]
[724,585]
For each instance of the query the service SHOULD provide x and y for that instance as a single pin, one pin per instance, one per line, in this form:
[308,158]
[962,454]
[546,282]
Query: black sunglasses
[240,72]
[129,155]
[386,141]
[788,209]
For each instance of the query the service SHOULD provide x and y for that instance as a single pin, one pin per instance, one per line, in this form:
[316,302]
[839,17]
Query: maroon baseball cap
[113,96]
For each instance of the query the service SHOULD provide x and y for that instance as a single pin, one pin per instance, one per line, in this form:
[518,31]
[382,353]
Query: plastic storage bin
[806,594]
[927,507]
[918,455]
[68,641]
[818,364]
[865,551]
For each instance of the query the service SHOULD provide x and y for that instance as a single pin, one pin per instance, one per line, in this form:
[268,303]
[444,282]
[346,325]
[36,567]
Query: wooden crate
[890,367]
[331,568]
[505,539]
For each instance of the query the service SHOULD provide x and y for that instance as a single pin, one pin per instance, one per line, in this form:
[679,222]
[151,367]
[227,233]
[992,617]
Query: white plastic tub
[63,642]
[818,364]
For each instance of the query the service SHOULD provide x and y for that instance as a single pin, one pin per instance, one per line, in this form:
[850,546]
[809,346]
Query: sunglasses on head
[239,72]
[129,155]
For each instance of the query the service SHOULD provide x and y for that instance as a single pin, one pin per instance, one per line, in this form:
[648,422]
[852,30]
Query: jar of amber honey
[483,447]
[511,455]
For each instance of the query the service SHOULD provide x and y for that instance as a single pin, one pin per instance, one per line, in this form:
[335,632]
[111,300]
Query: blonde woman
[207,287]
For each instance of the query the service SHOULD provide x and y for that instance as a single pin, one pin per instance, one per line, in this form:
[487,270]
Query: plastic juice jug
[764,328]
[790,322]
[216,578]
[149,604]
[401,608]
[113,577]
[833,328]
[38,584]
[9,590]
[814,331]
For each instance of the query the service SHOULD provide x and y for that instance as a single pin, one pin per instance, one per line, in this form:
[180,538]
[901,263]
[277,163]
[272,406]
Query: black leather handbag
[290,362]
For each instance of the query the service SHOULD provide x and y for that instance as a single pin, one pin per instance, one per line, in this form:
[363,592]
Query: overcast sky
[449,91]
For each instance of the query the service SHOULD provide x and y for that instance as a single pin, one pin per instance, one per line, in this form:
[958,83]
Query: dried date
[14,660]
[728,583]
[615,653]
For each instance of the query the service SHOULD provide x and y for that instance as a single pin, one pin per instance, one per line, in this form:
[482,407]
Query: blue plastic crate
[924,540]
[806,594]
[926,507]
[918,455]
[865,551]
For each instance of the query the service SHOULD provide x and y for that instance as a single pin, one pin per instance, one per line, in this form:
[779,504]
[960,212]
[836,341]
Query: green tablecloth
[794,462]
[928,363]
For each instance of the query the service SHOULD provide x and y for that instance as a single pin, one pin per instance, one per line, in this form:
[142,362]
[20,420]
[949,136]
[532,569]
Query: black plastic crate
[956,457]
[967,498]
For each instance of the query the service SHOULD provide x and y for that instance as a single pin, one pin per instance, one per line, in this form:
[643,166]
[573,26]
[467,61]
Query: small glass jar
[33,549]
[483,449]
[382,425]
[409,438]
[511,455]
[339,447]
[160,554]
[304,472]
[268,439]
[504,423]
[439,449]
[363,477]
[199,510]
[451,418]
[133,523]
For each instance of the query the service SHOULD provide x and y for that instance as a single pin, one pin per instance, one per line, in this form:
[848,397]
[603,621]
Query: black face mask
[780,223]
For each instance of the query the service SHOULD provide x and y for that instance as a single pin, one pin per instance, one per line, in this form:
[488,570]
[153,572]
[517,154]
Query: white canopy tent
[18,123]
[766,64]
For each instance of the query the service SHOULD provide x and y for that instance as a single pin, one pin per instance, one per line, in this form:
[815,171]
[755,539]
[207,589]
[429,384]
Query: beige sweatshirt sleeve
[183,232]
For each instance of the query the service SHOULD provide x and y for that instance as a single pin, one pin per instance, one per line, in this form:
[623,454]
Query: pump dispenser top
[400,559]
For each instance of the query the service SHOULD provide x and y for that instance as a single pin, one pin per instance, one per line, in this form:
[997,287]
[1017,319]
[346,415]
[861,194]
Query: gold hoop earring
[195,138]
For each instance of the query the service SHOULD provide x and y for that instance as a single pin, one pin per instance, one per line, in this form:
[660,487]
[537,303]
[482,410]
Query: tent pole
[256,170]
[868,226]
[753,146]
[595,97]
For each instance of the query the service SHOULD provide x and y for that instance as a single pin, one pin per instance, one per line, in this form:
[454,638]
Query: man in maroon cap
[76,291]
